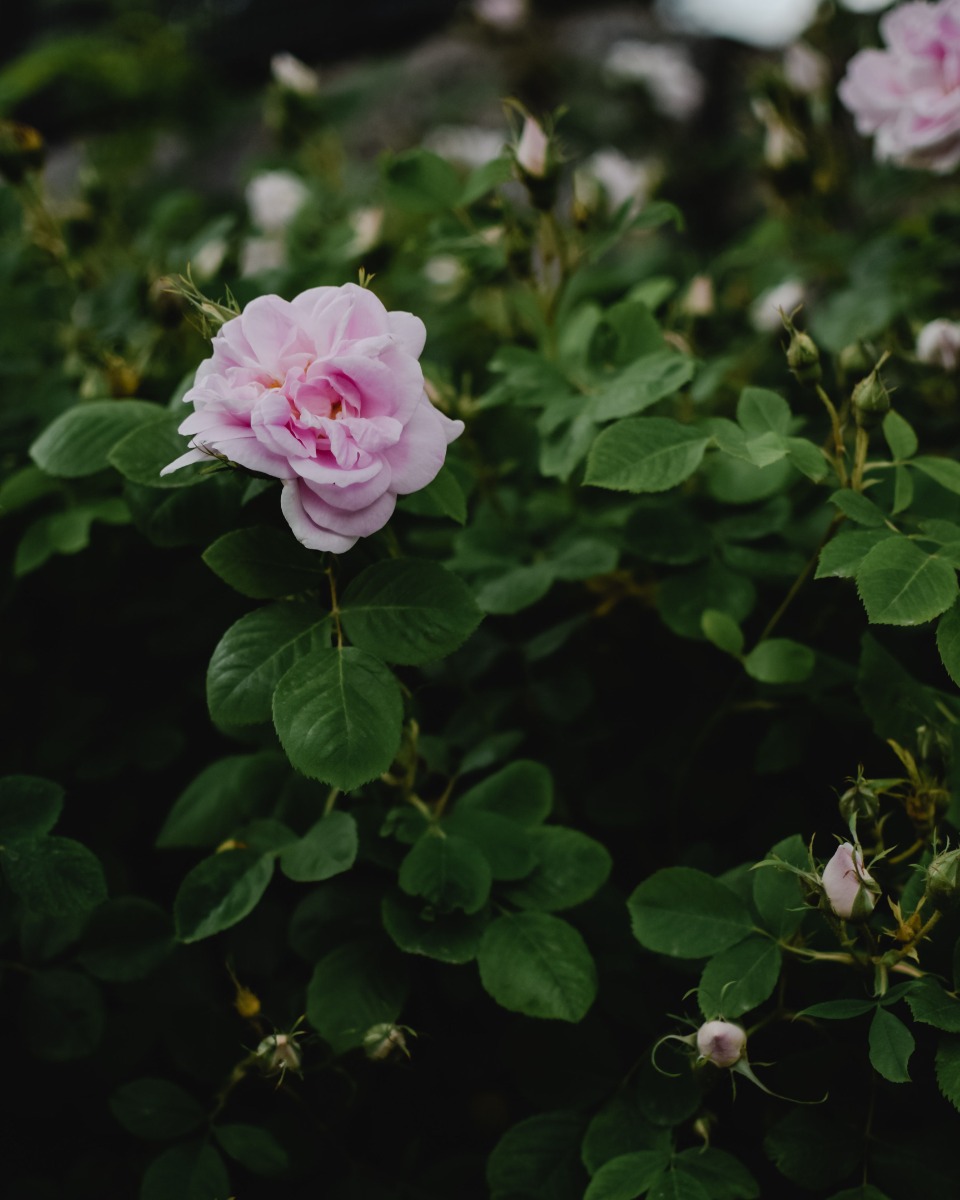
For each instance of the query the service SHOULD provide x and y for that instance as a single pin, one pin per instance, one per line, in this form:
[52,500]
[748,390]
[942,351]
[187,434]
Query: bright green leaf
[328,848]
[406,610]
[945,471]
[901,585]
[338,714]
[687,913]
[930,1004]
[78,441]
[842,555]
[722,630]
[255,653]
[648,454]
[779,660]
[538,965]
[219,892]
[737,980]
[641,384]
[506,846]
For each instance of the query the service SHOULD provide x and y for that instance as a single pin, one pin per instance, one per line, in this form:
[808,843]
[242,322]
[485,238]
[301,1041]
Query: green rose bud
[943,879]
[871,400]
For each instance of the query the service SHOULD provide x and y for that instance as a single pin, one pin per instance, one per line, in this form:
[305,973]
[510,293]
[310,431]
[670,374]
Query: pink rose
[722,1043]
[324,392]
[532,149]
[847,885]
[909,94]
[938,343]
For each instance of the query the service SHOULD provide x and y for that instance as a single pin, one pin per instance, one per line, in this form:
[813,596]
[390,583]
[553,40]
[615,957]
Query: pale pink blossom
[274,198]
[765,310]
[908,95]
[505,15]
[938,343]
[532,149]
[848,886]
[722,1043]
[290,73]
[325,393]
[806,70]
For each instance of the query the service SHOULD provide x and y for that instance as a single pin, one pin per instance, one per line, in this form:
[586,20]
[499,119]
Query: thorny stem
[839,449]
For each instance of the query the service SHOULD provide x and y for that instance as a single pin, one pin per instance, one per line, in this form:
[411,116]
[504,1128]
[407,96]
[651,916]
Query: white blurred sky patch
[758,22]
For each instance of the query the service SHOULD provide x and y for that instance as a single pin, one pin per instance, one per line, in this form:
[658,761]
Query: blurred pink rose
[532,149]
[722,1043]
[938,343]
[909,94]
[848,885]
[324,392]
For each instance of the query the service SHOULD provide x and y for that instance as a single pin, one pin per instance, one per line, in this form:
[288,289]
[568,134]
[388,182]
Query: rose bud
[803,357]
[848,887]
[871,400]
[279,1052]
[382,1041]
[722,1043]
[532,149]
[943,879]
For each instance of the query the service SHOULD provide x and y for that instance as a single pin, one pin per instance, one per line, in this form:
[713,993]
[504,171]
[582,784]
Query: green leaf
[126,938]
[779,660]
[838,1010]
[620,1128]
[842,555]
[948,641]
[448,871]
[25,487]
[930,1004]
[538,965]
[356,986]
[190,1171]
[901,585]
[78,441]
[685,913]
[776,893]
[419,181]
[223,797]
[405,610]
[761,411]
[641,384]
[442,497]
[948,1069]
[522,791]
[571,867]
[219,892]
[648,454]
[156,1109]
[54,876]
[806,457]
[944,471]
[627,1176]
[254,1148]
[737,980]
[338,714]
[146,450]
[62,1015]
[503,843]
[537,1157]
[722,630]
[255,653]
[677,1185]
[792,1140]
[264,563]
[891,1044]
[866,1191]
[685,596]
[29,807]
[417,929]
[516,589]
[328,848]
[859,508]
[720,1174]
[485,178]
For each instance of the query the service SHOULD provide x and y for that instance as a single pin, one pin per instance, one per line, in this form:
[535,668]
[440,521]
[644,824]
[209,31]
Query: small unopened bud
[22,149]
[532,149]
[722,1043]
[382,1041]
[699,300]
[871,400]
[279,1052]
[848,887]
[803,357]
[943,879]
[859,801]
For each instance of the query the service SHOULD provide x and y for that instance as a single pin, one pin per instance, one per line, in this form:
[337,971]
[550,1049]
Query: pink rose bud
[907,95]
[938,343]
[532,149]
[325,393]
[847,885]
[722,1043]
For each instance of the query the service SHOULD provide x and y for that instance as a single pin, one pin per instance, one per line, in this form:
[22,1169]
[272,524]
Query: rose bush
[324,392]
[909,94]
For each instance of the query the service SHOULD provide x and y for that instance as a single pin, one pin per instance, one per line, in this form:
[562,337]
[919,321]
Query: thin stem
[839,448]
[334,608]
